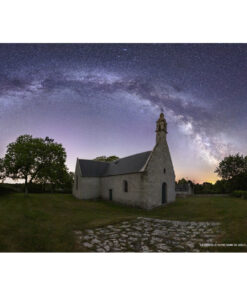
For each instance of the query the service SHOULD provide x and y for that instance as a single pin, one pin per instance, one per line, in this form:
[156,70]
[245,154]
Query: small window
[164,171]
[125,184]
[76,182]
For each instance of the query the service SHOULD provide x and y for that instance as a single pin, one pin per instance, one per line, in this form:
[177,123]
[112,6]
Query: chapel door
[164,193]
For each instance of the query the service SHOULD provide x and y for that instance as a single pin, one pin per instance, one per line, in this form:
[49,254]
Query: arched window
[125,186]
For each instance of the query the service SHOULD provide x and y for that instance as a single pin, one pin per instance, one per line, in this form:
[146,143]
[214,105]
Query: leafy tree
[233,171]
[54,171]
[67,181]
[106,159]
[231,166]
[207,187]
[220,186]
[100,158]
[56,177]
[2,170]
[182,181]
[29,158]
[238,182]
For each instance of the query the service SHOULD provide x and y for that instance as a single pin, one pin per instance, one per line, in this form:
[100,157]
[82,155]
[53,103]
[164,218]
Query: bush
[240,194]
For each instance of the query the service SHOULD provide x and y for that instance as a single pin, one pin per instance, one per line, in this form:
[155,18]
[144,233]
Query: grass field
[45,222]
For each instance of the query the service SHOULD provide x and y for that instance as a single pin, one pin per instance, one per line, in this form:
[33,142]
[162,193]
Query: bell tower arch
[161,128]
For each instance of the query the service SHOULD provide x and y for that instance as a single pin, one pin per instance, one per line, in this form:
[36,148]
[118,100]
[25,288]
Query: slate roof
[92,168]
[126,165]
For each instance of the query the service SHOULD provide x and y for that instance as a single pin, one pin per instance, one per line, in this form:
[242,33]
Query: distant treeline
[34,188]
[222,186]
[233,172]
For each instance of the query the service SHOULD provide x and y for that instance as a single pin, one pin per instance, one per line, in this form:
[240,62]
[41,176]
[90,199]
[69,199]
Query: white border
[122,274]
[114,21]
[122,21]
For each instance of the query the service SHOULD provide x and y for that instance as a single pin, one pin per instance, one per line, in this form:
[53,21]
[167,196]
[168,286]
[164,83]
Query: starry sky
[104,99]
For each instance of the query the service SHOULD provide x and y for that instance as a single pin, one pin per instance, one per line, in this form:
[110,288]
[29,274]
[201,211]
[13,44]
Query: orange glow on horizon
[210,178]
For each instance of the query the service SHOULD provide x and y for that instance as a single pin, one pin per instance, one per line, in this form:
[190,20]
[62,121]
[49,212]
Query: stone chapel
[146,179]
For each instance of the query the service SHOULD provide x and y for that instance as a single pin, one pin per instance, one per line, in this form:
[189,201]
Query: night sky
[104,99]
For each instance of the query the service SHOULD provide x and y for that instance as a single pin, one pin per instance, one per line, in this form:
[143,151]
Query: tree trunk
[26,187]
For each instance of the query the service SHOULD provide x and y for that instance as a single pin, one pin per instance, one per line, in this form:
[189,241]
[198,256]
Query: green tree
[2,170]
[56,177]
[106,159]
[67,181]
[182,181]
[29,157]
[220,186]
[207,187]
[54,170]
[238,182]
[231,166]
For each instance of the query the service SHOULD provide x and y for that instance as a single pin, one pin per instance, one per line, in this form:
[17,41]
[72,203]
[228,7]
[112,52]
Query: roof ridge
[131,155]
[93,160]
[115,159]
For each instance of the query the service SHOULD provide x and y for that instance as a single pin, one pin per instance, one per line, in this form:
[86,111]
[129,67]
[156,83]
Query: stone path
[149,235]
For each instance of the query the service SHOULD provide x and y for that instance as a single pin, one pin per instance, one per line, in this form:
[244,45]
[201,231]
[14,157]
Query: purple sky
[104,99]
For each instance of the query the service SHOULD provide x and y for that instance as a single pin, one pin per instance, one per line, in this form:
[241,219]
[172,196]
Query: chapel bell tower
[161,128]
